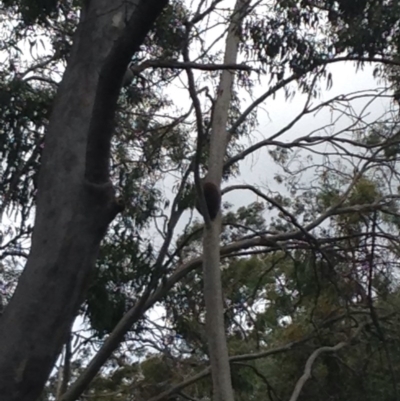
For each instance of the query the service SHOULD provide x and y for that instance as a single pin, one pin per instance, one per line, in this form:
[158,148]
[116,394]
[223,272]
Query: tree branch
[179,65]
[309,364]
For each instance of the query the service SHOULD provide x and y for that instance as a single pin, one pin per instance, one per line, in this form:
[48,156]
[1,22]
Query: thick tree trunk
[75,199]
[218,350]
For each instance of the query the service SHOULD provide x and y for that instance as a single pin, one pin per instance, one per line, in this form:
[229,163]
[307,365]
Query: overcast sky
[259,169]
[277,112]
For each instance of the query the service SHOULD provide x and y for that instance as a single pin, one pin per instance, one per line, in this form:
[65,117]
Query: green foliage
[24,113]
[365,27]
[123,269]
[364,192]
[329,197]
[169,31]
[34,11]
[105,307]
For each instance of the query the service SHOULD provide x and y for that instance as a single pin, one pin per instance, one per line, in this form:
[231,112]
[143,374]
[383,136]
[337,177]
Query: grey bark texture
[75,198]
[216,337]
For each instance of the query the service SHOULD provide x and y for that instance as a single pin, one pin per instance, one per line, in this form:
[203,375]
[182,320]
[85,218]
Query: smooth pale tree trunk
[218,350]
[75,199]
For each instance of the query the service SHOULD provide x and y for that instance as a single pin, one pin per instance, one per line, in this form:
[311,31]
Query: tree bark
[217,345]
[75,198]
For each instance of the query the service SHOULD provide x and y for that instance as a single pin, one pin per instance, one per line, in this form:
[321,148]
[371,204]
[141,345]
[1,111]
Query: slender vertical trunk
[219,357]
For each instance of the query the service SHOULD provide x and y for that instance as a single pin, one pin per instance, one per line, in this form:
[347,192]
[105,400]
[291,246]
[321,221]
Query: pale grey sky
[258,169]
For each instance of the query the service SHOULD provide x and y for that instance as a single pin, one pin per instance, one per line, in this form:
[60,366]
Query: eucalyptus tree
[76,201]
[101,139]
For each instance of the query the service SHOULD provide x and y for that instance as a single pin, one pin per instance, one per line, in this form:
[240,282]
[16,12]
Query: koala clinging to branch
[212,195]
